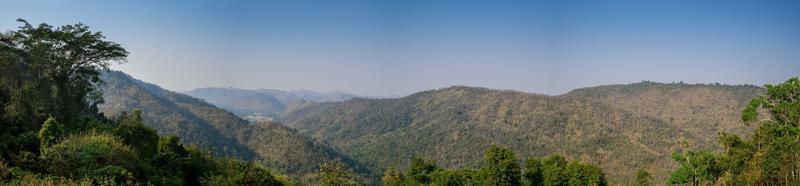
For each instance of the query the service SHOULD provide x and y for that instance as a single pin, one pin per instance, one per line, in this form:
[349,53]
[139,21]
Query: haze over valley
[400,93]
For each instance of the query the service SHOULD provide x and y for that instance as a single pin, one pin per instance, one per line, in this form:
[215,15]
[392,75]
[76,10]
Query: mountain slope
[447,125]
[703,110]
[264,104]
[197,122]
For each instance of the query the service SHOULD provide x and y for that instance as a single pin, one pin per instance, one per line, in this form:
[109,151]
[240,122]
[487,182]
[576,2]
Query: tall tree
[533,172]
[68,60]
[131,130]
[553,170]
[420,170]
[777,139]
[500,167]
[585,174]
[770,157]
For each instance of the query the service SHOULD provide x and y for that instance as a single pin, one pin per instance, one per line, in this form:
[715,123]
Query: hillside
[264,104]
[703,110]
[197,122]
[447,125]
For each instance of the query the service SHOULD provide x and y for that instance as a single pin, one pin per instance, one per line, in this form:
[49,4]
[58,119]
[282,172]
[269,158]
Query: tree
[51,132]
[68,58]
[170,145]
[420,169]
[335,174]
[500,167]
[584,174]
[460,177]
[553,170]
[770,157]
[777,140]
[643,178]
[131,131]
[696,167]
[392,177]
[533,171]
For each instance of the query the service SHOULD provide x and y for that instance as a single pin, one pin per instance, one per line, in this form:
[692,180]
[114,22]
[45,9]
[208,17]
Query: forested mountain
[621,128]
[264,104]
[51,132]
[198,122]
[703,110]
[65,119]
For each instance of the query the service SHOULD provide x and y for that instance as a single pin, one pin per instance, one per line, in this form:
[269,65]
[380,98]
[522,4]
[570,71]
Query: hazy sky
[396,47]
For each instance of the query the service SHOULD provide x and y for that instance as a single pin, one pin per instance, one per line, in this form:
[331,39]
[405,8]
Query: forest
[53,133]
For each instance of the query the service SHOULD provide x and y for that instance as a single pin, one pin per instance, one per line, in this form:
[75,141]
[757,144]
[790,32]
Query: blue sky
[399,47]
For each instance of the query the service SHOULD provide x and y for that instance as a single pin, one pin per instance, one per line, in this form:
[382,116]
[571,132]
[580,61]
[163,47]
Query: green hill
[198,122]
[452,125]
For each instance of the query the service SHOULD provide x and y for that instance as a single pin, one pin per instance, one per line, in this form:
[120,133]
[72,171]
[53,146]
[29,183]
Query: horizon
[456,85]
[396,48]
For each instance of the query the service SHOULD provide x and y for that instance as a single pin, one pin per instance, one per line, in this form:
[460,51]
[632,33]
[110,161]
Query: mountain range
[621,128]
[200,123]
[265,104]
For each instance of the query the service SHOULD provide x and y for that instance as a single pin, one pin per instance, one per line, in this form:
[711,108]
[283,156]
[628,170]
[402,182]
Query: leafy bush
[91,154]
[235,172]
[51,132]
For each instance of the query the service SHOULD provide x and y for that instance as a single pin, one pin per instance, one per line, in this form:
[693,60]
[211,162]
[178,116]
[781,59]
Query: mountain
[200,123]
[265,104]
[703,110]
[621,128]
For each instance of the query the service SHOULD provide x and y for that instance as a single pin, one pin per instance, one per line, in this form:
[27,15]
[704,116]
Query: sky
[397,47]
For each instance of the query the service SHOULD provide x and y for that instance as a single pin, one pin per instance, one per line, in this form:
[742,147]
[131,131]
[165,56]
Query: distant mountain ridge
[620,127]
[200,123]
[265,104]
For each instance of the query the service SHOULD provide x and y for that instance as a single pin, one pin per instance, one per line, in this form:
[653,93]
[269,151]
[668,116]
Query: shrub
[89,155]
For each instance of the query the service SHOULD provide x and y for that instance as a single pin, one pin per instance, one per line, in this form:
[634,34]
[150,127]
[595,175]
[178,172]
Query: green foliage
[643,178]
[553,170]
[392,177]
[533,171]
[335,174]
[131,130]
[457,177]
[66,62]
[90,155]
[696,168]
[170,145]
[34,180]
[500,167]
[420,170]
[233,172]
[770,157]
[584,174]
[50,74]
[51,132]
